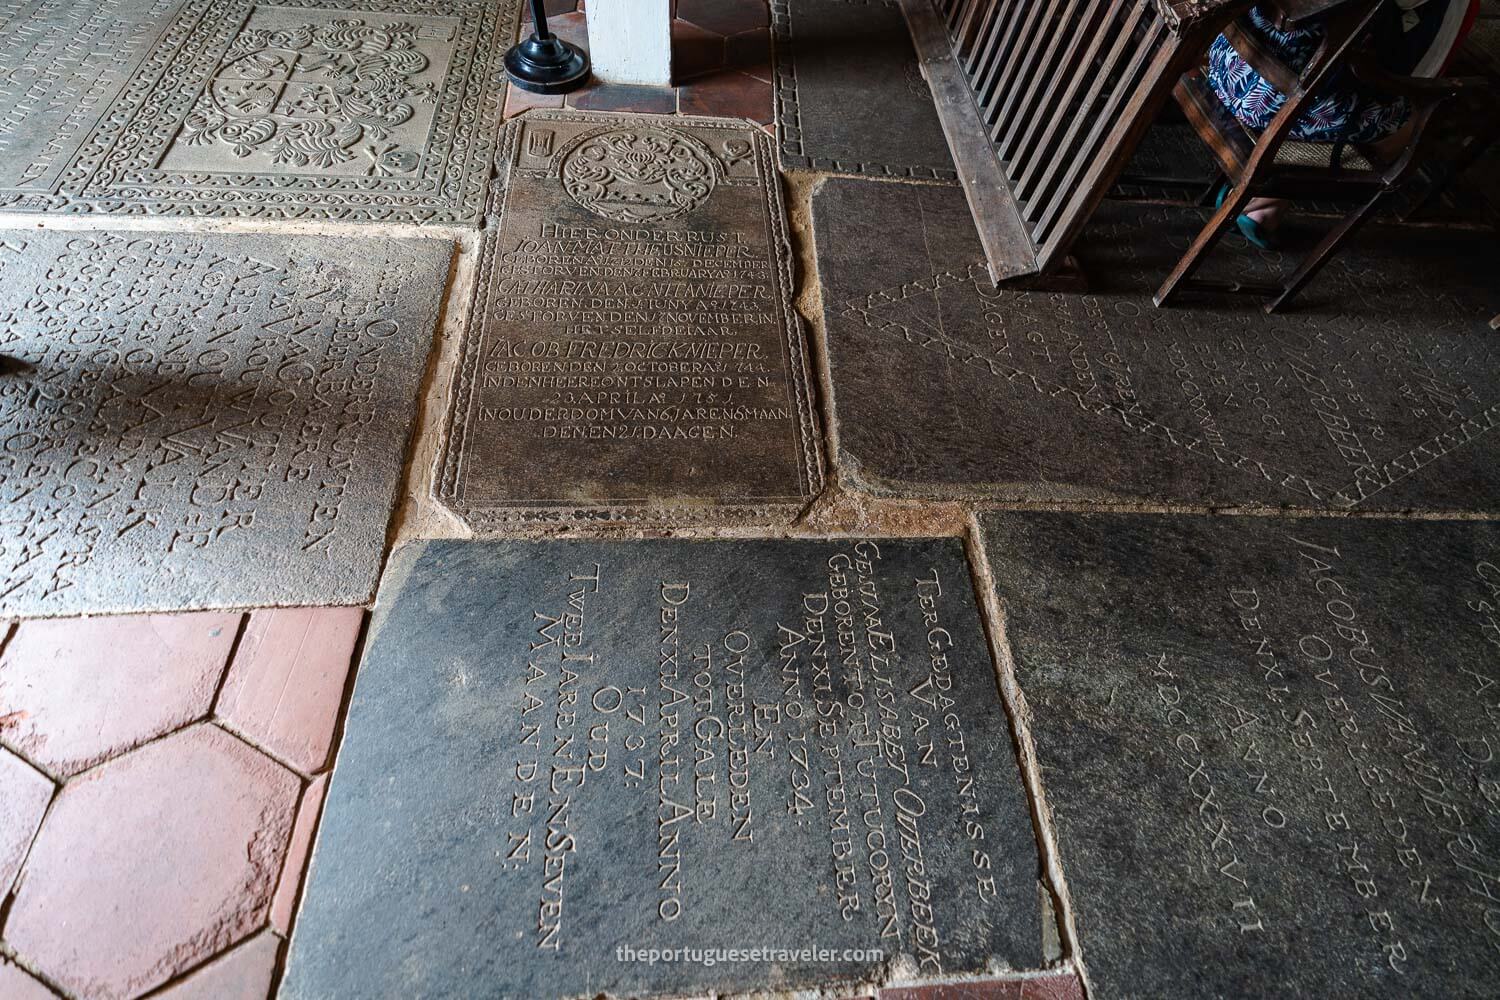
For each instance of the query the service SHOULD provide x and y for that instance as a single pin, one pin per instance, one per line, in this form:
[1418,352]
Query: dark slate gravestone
[195,420]
[850,94]
[1270,747]
[1380,391]
[562,758]
[632,353]
[354,110]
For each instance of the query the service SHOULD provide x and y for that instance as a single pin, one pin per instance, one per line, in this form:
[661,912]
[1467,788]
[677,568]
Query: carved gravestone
[194,420]
[1379,391]
[1269,747]
[564,760]
[850,94]
[631,353]
[337,109]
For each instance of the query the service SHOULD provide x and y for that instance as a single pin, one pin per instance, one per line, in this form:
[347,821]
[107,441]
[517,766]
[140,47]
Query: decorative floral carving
[311,94]
[639,175]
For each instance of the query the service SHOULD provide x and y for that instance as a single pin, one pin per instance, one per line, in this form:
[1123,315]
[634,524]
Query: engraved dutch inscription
[1270,747]
[1382,391]
[631,353]
[204,420]
[741,749]
[345,109]
[64,65]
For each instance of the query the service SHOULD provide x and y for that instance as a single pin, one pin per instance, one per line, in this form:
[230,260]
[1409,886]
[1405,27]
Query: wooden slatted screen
[1063,90]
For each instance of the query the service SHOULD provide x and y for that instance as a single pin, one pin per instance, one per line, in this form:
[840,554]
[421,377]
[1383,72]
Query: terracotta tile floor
[160,783]
[721,65]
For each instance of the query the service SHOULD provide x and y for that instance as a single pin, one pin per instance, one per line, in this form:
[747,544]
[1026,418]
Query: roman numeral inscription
[632,353]
[564,758]
[1270,747]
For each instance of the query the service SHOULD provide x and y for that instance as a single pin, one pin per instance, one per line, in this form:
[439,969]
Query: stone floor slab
[286,685]
[850,94]
[557,750]
[1267,747]
[1379,391]
[631,353]
[189,405]
[24,794]
[82,690]
[153,863]
[353,110]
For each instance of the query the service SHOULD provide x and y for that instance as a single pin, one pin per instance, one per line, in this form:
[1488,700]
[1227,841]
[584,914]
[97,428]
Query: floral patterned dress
[1411,36]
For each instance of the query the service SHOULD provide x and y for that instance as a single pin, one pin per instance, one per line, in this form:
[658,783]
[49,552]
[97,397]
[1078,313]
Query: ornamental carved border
[117,169]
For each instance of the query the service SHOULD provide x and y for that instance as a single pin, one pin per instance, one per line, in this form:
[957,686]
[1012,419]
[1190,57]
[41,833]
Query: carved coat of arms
[316,95]
[639,175]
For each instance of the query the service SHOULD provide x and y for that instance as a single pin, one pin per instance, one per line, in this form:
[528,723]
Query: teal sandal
[1248,227]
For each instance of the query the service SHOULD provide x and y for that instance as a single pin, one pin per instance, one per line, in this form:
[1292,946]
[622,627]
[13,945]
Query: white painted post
[630,41]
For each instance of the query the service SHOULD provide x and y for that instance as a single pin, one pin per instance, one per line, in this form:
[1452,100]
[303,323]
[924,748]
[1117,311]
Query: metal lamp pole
[544,63]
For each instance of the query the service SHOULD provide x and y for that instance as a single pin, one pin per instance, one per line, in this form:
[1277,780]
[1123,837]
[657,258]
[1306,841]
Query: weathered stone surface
[285,687]
[674,773]
[631,352]
[77,691]
[1378,392]
[153,863]
[24,794]
[358,111]
[1268,746]
[189,405]
[1051,986]
[850,94]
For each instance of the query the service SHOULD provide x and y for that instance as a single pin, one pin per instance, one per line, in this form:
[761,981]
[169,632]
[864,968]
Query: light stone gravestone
[196,420]
[631,352]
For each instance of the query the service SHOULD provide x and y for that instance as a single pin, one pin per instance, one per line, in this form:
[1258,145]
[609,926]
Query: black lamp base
[547,65]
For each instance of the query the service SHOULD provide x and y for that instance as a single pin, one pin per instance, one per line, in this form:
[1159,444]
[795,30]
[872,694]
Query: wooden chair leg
[1204,242]
[1324,251]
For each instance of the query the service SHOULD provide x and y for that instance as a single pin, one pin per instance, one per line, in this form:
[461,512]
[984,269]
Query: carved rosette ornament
[639,175]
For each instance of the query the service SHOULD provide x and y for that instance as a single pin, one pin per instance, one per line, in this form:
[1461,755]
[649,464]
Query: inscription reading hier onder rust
[632,353]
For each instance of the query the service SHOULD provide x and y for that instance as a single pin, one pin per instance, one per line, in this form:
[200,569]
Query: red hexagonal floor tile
[153,863]
[17,984]
[727,17]
[727,94]
[243,973]
[24,794]
[77,691]
[286,683]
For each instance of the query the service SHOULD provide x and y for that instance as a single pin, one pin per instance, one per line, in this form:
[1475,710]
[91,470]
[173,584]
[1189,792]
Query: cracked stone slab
[850,94]
[631,352]
[353,110]
[1267,747]
[1380,391]
[655,744]
[179,407]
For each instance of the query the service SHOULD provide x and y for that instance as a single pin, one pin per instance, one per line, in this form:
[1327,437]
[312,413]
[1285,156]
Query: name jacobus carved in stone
[1271,747]
[632,353]
[768,745]
[184,407]
[348,109]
